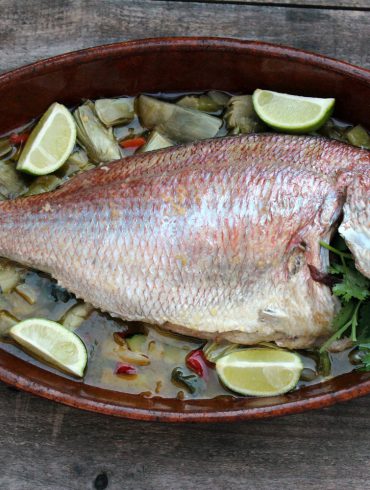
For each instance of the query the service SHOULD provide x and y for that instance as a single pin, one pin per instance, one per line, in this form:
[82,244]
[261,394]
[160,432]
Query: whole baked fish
[216,239]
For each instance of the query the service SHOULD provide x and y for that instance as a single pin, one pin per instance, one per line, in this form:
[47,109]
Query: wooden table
[49,446]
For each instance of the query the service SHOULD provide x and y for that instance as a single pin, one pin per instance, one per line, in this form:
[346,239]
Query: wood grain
[44,28]
[48,446]
[336,4]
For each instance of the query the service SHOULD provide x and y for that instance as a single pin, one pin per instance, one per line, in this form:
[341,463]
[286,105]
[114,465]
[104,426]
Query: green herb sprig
[353,290]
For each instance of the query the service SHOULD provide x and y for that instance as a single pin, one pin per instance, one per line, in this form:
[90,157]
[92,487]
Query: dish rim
[296,403]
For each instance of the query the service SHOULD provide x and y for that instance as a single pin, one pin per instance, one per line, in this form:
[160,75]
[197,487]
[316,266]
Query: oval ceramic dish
[175,65]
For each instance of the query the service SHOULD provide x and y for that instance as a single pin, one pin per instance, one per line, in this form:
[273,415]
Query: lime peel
[260,372]
[292,113]
[50,142]
[53,343]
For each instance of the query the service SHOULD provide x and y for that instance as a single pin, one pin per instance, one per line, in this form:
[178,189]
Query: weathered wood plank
[43,28]
[48,446]
[337,4]
[53,447]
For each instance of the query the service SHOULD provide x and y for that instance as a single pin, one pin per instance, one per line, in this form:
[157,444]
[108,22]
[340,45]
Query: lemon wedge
[260,372]
[53,343]
[50,142]
[292,113]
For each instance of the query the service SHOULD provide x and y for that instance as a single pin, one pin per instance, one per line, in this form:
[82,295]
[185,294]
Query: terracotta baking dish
[180,64]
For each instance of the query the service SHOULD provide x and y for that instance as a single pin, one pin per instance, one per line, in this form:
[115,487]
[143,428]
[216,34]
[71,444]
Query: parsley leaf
[364,322]
[344,315]
[337,269]
[352,285]
[366,362]
[349,289]
[365,348]
[353,289]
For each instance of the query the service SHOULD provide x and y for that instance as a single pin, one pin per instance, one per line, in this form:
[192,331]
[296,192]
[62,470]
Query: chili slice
[133,142]
[122,368]
[196,361]
[18,139]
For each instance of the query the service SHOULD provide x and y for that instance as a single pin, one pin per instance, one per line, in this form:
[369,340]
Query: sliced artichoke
[333,131]
[45,183]
[358,136]
[112,112]
[27,292]
[177,123]
[240,116]
[12,183]
[77,315]
[10,276]
[5,147]
[214,350]
[98,141]
[221,98]
[7,320]
[77,162]
[202,103]
[79,158]
[132,356]
[156,141]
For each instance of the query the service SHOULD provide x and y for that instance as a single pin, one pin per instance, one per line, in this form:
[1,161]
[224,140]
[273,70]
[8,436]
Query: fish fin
[272,314]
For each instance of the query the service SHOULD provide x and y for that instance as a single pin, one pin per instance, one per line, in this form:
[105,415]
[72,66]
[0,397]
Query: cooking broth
[165,351]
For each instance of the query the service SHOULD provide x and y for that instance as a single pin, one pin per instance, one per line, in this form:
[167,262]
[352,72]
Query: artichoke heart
[77,315]
[76,163]
[5,148]
[79,158]
[202,103]
[358,136]
[240,116]
[156,141]
[12,183]
[10,275]
[179,124]
[213,101]
[7,320]
[44,183]
[98,141]
[333,131]
[112,112]
[221,98]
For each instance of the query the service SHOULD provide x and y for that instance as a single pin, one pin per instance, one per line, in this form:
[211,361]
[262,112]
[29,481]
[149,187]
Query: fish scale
[212,239]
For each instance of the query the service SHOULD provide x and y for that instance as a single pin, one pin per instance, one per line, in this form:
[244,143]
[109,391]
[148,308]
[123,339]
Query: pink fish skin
[355,227]
[214,239]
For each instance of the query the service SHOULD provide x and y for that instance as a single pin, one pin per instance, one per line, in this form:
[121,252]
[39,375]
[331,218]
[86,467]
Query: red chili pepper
[122,368]
[18,139]
[196,361]
[133,142]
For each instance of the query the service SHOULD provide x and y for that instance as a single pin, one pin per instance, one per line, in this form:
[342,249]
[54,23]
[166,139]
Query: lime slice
[53,343]
[50,143]
[290,112]
[260,372]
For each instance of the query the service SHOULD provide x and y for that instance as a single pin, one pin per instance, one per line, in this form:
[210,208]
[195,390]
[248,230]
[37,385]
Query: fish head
[355,227]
